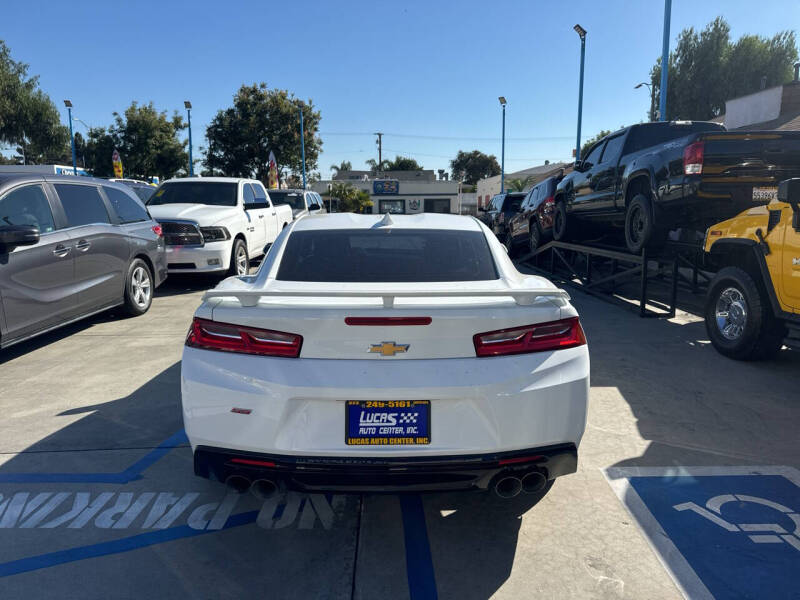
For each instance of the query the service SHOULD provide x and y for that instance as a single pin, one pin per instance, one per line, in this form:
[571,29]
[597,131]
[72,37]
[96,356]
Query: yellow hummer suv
[753,303]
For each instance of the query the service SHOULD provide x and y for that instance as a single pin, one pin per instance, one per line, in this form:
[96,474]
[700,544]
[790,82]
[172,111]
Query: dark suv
[533,224]
[499,212]
[71,247]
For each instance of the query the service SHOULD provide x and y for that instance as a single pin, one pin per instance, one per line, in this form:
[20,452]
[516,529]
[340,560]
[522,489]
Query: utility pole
[582,33]
[303,146]
[662,108]
[380,150]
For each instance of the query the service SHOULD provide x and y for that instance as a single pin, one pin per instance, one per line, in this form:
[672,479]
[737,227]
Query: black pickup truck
[655,177]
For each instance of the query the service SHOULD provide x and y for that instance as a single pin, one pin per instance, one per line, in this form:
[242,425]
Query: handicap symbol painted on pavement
[721,532]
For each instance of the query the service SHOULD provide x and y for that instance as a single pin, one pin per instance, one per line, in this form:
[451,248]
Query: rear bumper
[380,473]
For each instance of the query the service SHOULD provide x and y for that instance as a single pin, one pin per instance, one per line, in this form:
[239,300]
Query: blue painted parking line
[125,544]
[721,532]
[419,563]
[132,473]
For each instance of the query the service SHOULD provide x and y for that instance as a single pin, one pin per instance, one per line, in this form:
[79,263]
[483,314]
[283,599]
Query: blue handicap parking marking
[722,532]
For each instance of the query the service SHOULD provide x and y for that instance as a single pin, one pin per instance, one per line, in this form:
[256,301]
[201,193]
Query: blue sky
[428,74]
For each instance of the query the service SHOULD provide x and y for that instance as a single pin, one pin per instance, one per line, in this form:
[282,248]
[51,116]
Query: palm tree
[344,166]
[520,185]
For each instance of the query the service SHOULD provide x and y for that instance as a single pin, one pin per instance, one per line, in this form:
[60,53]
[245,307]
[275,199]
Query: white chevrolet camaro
[385,353]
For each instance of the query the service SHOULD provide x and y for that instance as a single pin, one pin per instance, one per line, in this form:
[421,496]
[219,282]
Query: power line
[450,138]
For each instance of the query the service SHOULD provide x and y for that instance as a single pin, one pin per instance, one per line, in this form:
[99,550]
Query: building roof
[781,103]
[356,221]
[538,173]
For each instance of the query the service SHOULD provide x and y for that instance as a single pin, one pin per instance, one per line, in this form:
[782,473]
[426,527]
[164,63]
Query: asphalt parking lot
[98,499]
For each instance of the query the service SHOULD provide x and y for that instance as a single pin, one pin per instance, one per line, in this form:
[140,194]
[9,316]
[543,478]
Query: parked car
[753,303]
[385,353]
[303,202]
[499,211]
[72,247]
[141,188]
[533,223]
[654,177]
[216,224]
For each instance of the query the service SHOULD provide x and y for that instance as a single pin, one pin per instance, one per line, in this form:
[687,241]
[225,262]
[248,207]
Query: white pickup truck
[215,224]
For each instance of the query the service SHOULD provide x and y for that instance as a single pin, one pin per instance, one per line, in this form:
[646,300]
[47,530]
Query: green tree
[402,163]
[375,168]
[590,142]
[28,118]
[351,199]
[345,165]
[469,167]
[261,120]
[148,142]
[706,68]
[98,149]
[520,185]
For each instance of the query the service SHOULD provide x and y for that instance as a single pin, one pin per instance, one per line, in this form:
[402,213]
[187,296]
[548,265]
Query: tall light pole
[662,105]
[68,104]
[582,33]
[652,98]
[303,146]
[503,148]
[188,106]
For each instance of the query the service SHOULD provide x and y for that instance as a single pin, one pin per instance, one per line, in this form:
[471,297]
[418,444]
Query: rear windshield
[653,134]
[207,192]
[512,203]
[144,193]
[387,255]
[293,199]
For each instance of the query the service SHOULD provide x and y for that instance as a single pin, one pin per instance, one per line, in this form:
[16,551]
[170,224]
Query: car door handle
[262,216]
[61,250]
[83,245]
[274,213]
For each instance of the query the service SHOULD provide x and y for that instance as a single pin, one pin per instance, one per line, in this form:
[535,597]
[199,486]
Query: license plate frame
[411,430]
[765,193]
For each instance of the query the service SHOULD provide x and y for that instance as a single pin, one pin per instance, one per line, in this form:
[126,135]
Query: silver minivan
[71,247]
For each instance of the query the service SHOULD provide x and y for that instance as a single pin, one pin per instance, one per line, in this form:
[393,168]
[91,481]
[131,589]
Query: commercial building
[775,108]
[401,192]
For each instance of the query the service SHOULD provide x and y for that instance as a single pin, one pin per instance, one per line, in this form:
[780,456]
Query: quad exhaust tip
[237,483]
[533,482]
[263,488]
[508,487]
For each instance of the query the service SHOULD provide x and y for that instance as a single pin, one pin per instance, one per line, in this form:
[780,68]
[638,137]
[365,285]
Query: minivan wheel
[560,221]
[138,288]
[240,261]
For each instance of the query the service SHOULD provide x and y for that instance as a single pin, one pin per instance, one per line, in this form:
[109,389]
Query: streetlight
[188,106]
[662,104]
[652,98]
[503,147]
[68,104]
[303,146]
[582,33]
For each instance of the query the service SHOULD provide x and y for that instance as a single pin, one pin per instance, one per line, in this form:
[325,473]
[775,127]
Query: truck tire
[640,228]
[534,236]
[240,261]
[508,242]
[138,288]
[560,221]
[739,320]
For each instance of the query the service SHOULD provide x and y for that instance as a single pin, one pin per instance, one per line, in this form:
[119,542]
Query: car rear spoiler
[522,296]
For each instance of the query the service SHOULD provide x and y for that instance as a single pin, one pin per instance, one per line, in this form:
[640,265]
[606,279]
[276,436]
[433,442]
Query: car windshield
[215,193]
[293,199]
[144,193]
[387,255]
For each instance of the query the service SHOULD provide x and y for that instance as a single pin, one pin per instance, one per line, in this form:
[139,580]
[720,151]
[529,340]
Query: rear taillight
[158,231]
[548,205]
[211,335]
[693,158]
[555,335]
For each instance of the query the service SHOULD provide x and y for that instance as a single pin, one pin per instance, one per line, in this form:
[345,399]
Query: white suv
[216,223]
[303,202]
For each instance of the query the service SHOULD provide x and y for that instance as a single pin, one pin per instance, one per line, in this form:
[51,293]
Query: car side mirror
[12,236]
[789,192]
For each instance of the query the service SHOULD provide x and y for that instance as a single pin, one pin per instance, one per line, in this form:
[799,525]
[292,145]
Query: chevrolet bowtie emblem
[388,348]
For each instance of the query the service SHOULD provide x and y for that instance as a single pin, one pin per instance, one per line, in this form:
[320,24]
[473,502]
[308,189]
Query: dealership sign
[381,187]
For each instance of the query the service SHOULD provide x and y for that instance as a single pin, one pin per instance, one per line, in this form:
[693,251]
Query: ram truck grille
[178,233]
